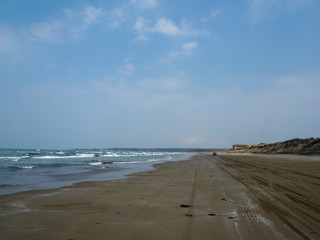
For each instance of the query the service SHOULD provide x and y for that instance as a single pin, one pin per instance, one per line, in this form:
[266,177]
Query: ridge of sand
[206,197]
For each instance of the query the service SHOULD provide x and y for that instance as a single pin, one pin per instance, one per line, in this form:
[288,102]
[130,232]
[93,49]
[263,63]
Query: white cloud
[73,24]
[214,13]
[49,31]
[186,49]
[116,17]
[88,15]
[167,27]
[127,69]
[141,38]
[145,3]
[140,24]
[162,25]
[91,14]
[69,13]
[189,47]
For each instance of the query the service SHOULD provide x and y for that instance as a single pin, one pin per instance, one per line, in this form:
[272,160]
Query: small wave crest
[27,167]
[21,167]
[13,159]
[78,155]
[95,163]
[136,154]
[40,165]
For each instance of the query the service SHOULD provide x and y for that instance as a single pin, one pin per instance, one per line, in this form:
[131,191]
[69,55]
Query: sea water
[22,170]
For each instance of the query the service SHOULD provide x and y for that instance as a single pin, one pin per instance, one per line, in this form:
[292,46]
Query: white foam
[95,163]
[136,154]
[13,159]
[110,154]
[27,167]
[134,162]
[84,155]
[78,155]
[154,160]
[6,157]
[53,157]
[127,162]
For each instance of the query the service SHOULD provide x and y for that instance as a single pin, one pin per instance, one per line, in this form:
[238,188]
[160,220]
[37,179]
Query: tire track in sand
[284,197]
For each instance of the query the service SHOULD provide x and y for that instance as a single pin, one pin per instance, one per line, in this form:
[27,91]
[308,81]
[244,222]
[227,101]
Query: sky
[158,73]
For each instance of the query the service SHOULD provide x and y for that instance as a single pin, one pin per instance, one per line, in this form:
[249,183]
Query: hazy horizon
[158,74]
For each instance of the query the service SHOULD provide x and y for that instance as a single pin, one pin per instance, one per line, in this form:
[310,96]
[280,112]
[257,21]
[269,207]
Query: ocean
[34,169]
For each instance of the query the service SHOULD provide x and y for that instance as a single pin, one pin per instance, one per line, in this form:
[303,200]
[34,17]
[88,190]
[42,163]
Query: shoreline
[126,176]
[19,178]
[203,197]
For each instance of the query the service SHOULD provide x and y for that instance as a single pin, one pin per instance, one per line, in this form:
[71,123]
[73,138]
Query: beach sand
[206,197]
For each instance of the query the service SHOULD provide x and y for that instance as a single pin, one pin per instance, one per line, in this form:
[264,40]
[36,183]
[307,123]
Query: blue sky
[158,73]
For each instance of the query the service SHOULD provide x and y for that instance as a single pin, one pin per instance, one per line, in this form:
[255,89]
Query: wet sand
[206,197]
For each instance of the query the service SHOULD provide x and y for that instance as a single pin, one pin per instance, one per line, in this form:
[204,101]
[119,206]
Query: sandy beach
[206,197]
